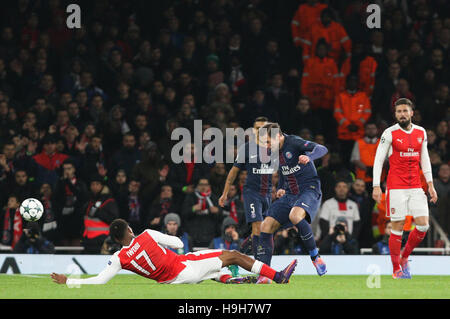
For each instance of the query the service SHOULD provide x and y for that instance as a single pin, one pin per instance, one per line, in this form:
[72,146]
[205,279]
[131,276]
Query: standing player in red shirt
[145,255]
[406,145]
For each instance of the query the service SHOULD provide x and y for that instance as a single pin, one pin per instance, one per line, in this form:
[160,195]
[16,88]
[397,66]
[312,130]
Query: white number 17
[147,259]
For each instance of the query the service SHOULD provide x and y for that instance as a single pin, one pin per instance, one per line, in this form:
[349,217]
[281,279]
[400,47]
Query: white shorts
[200,265]
[402,202]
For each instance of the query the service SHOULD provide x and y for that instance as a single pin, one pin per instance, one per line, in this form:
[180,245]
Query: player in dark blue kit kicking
[258,186]
[299,194]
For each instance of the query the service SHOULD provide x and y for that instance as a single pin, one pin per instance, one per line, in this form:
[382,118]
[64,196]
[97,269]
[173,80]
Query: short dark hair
[267,129]
[261,119]
[117,229]
[404,101]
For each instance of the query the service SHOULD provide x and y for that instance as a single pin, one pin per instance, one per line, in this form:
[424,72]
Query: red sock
[224,278]
[414,239]
[267,271]
[395,244]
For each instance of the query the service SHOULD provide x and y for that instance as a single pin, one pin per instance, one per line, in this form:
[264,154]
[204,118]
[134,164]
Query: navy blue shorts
[308,199]
[255,205]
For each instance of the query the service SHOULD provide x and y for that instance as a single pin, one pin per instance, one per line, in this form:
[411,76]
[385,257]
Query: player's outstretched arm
[232,174]
[102,278]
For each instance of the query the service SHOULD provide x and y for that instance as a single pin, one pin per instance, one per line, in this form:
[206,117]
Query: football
[31,209]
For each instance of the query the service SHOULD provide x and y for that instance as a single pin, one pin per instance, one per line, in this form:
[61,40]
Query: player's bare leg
[414,239]
[298,218]
[234,257]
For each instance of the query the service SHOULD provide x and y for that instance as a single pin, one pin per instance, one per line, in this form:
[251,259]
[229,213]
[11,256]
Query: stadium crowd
[87,114]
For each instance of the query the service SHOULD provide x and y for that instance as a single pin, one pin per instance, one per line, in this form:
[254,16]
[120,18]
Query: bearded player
[406,145]
[145,255]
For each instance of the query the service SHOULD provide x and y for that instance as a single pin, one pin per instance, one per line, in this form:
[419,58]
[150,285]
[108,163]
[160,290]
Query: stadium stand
[105,98]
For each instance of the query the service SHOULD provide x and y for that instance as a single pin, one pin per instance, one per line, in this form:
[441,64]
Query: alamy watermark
[373,20]
[374,279]
[73,20]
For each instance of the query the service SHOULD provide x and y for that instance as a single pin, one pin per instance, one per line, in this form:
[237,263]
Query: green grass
[310,287]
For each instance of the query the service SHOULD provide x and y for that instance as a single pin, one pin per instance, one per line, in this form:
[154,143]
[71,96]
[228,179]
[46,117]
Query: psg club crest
[288,155]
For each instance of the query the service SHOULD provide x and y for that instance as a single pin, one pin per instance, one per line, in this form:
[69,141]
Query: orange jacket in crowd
[367,153]
[335,35]
[319,82]
[301,24]
[366,74]
[351,109]
[367,71]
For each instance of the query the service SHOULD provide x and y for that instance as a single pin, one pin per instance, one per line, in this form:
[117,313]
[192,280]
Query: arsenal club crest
[419,139]
[392,211]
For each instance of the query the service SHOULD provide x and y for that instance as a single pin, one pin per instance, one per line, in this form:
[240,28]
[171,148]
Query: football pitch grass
[300,287]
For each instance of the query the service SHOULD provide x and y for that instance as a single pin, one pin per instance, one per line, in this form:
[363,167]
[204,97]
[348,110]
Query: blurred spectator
[99,212]
[11,221]
[333,33]
[32,242]
[340,206]
[338,240]
[381,247]
[23,186]
[218,177]
[287,242]
[442,186]
[360,195]
[133,209]
[304,117]
[202,214]
[184,176]
[385,86]
[363,153]
[93,157]
[305,17]
[172,226]
[7,161]
[127,156]
[352,109]
[229,238]
[234,208]
[162,205]
[48,162]
[48,222]
[71,194]
[319,84]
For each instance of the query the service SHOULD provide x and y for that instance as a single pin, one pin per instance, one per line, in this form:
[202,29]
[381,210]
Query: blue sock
[265,249]
[255,244]
[305,231]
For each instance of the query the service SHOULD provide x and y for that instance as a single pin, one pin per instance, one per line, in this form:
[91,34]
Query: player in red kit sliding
[406,145]
[147,256]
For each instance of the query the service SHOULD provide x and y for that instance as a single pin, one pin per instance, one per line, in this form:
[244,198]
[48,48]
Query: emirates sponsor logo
[287,171]
[410,153]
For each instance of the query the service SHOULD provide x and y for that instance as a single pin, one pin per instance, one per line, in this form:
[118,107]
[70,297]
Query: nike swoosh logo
[253,156]
[304,204]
